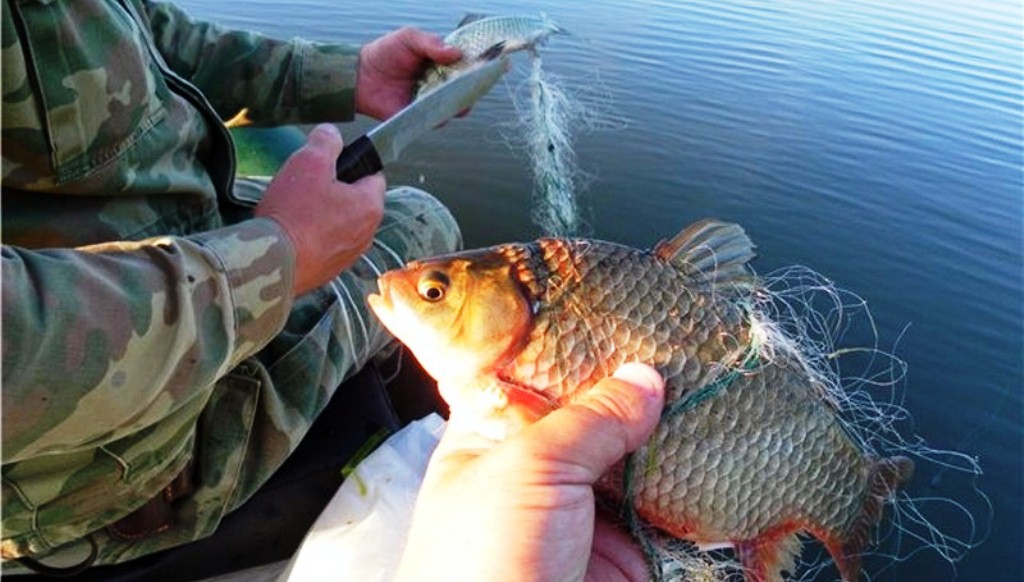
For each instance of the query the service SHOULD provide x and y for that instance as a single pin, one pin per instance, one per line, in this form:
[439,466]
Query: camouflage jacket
[131,287]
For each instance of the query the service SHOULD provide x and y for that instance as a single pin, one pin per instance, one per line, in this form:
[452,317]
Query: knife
[382,144]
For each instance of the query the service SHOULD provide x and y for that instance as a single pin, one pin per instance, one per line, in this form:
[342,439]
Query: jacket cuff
[258,261]
[327,82]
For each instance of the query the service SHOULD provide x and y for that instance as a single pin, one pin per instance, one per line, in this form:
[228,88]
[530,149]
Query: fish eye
[432,286]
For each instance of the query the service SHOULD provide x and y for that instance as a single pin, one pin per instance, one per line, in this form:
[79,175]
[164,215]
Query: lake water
[877,142]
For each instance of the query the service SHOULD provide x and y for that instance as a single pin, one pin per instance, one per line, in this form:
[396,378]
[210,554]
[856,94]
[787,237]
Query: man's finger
[615,555]
[613,418]
[373,185]
[326,139]
[431,46]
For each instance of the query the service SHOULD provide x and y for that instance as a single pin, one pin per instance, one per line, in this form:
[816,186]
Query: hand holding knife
[382,144]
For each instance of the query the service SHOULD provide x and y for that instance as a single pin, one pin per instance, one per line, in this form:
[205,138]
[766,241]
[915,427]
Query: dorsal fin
[471,18]
[710,251]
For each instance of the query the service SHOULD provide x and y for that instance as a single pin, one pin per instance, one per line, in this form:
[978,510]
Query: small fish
[748,452]
[483,38]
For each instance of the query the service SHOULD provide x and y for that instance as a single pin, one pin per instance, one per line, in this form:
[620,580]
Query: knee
[417,224]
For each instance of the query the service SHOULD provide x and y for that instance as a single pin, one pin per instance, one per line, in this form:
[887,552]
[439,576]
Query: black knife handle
[358,160]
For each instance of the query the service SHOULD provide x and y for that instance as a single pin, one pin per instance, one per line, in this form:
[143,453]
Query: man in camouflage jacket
[169,334]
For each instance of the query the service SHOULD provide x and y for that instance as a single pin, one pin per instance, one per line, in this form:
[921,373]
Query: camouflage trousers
[257,414]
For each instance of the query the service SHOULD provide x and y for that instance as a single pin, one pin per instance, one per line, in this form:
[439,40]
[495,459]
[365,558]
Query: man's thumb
[326,138]
[613,418]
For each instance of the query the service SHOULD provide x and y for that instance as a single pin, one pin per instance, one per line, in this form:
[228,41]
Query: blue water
[877,142]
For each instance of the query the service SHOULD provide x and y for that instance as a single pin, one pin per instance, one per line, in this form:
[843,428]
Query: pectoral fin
[494,51]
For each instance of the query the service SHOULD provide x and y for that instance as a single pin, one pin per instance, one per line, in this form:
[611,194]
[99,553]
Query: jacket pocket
[53,500]
[96,81]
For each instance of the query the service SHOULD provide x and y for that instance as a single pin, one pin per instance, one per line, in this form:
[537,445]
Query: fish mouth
[380,302]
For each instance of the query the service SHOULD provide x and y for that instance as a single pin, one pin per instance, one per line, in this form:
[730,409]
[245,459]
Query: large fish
[483,38]
[748,451]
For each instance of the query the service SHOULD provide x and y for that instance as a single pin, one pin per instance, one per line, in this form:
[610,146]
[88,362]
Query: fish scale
[747,452]
[816,483]
[705,484]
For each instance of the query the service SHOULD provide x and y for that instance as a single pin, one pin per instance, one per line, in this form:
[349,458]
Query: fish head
[461,314]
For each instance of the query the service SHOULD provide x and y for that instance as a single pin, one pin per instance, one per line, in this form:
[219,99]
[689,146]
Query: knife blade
[382,144]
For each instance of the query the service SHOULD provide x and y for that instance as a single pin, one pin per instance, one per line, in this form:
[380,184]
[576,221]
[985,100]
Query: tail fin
[887,475]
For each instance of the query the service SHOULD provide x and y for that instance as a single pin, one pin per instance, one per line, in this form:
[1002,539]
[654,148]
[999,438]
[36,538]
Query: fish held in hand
[484,38]
[747,452]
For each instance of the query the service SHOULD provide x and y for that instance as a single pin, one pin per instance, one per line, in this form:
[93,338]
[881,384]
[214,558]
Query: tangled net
[549,120]
[549,117]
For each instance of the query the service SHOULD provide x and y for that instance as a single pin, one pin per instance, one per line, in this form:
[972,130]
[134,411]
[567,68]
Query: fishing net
[548,121]
[549,118]
[835,333]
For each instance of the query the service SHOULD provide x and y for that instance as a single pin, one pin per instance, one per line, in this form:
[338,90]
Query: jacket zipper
[196,98]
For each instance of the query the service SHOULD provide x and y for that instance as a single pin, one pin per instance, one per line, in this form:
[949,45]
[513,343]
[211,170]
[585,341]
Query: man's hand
[524,509]
[390,66]
[330,223]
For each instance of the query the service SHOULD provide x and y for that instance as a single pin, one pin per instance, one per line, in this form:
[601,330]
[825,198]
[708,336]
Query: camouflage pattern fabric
[147,320]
